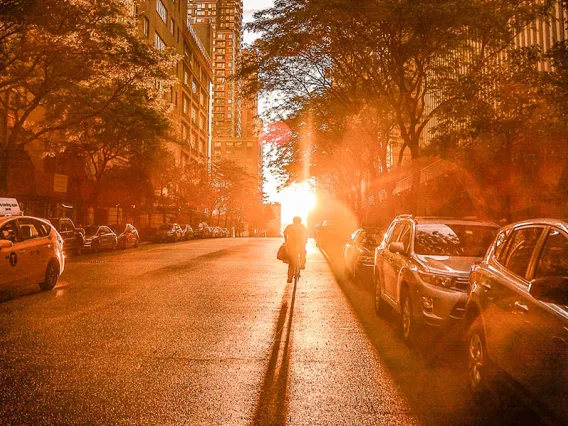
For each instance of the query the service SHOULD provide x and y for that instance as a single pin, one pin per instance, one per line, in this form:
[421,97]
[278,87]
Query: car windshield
[165,227]
[372,240]
[439,239]
[91,230]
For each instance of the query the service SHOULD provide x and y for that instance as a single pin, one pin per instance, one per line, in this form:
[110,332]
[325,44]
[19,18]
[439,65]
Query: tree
[237,192]
[63,62]
[130,127]
[406,54]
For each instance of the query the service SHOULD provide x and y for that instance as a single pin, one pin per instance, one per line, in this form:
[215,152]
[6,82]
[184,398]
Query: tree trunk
[5,155]
[415,185]
[508,181]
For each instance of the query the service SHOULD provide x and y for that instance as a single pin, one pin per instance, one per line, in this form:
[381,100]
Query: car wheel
[479,366]
[96,247]
[380,304]
[51,276]
[407,322]
[136,243]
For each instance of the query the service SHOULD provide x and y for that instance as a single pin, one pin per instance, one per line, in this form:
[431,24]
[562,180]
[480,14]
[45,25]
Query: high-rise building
[164,23]
[225,17]
[235,126]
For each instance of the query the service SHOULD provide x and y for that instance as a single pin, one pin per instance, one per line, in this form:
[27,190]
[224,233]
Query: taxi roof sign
[9,207]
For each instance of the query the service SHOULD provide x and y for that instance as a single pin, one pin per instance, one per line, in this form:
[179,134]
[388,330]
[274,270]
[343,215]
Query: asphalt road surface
[208,332]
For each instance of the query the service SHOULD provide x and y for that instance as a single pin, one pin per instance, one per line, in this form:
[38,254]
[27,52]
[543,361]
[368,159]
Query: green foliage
[328,63]
[64,61]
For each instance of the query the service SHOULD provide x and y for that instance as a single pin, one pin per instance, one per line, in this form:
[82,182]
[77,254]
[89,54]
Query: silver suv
[422,269]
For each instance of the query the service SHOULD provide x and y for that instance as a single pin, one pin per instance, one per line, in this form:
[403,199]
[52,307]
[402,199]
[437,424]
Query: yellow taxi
[31,250]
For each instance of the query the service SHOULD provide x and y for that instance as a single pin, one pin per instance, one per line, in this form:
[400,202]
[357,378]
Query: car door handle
[486,285]
[22,251]
[520,307]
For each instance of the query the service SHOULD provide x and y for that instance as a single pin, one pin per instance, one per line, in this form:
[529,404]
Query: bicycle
[296,266]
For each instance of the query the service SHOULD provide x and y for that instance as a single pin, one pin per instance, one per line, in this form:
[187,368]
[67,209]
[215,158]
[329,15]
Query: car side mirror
[6,244]
[397,247]
[550,290]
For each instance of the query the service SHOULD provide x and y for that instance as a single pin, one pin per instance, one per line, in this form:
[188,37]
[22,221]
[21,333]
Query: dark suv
[517,312]
[422,269]
[73,238]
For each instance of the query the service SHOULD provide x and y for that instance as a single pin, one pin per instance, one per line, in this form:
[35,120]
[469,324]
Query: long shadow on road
[432,376]
[272,403]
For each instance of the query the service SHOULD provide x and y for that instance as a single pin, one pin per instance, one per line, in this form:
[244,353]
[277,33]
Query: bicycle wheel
[297,270]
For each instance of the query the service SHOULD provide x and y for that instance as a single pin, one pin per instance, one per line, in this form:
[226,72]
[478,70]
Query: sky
[251,6]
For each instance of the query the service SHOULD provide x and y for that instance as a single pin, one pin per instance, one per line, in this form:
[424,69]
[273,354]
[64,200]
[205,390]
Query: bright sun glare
[296,200]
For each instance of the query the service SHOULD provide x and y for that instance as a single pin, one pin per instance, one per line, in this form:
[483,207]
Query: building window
[172,26]
[185,133]
[185,104]
[193,87]
[159,42]
[193,115]
[162,11]
[146,27]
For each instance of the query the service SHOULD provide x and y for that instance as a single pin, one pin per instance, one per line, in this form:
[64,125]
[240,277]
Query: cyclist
[296,237]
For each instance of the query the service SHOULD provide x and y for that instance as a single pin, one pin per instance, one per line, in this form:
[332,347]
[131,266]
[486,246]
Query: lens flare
[297,200]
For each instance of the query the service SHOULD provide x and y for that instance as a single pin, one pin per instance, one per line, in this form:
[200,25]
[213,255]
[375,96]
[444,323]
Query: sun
[297,200]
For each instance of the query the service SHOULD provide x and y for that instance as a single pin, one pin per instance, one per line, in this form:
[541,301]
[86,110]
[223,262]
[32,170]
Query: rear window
[439,239]
[91,230]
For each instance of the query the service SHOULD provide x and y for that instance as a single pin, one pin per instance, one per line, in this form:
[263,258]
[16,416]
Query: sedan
[517,313]
[127,236]
[187,232]
[359,252]
[170,233]
[99,238]
[31,252]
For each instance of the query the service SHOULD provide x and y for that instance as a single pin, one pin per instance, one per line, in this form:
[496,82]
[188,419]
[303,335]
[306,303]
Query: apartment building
[236,127]
[543,33]
[164,23]
[225,18]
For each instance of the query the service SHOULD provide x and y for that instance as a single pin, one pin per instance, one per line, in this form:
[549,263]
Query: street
[208,332]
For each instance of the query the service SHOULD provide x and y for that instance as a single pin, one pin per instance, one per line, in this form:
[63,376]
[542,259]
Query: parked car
[99,238]
[127,236]
[203,231]
[517,312]
[422,269]
[359,252]
[169,233]
[332,233]
[226,233]
[218,232]
[31,252]
[187,232]
[73,237]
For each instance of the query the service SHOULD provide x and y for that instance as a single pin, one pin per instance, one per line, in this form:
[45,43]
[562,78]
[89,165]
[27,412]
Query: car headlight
[437,280]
